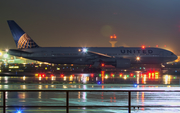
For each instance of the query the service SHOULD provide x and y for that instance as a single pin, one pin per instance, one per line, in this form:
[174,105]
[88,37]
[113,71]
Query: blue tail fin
[21,38]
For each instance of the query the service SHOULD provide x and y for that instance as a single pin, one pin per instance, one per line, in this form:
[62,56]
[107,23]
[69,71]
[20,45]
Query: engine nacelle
[123,63]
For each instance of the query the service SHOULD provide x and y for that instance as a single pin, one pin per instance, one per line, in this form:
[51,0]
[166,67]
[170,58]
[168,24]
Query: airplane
[120,57]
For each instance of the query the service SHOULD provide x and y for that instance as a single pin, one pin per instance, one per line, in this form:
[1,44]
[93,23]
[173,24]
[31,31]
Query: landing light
[137,58]
[84,50]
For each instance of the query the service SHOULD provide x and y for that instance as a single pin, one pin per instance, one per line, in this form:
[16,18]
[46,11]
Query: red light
[73,75]
[92,75]
[131,74]
[102,72]
[156,45]
[120,74]
[52,75]
[143,47]
[164,45]
[62,75]
[102,65]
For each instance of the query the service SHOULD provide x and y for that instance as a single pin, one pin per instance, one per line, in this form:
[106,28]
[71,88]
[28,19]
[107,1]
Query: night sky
[74,23]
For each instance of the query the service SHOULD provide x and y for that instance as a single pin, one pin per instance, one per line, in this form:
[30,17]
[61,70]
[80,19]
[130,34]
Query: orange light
[156,45]
[111,36]
[39,75]
[92,75]
[102,65]
[149,75]
[164,45]
[62,75]
[131,74]
[114,36]
[143,47]
[52,75]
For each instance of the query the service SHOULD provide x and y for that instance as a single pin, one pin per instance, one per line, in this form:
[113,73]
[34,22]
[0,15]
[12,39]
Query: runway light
[99,82]
[62,75]
[18,111]
[39,75]
[92,75]
[52,75]
[102,65]
[5,55]
[131,74]
[135,85]
[43,75]
[120,75]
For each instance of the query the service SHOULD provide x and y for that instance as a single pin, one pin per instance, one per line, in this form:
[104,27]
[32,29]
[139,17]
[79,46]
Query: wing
[99,54]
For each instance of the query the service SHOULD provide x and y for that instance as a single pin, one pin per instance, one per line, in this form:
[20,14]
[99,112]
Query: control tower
[113,40]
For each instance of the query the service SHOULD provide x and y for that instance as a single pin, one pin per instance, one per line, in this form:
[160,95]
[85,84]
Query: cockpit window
[172,54]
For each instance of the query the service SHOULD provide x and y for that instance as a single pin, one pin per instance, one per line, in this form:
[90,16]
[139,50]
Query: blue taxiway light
[99,82]
[135,85]
[18,111]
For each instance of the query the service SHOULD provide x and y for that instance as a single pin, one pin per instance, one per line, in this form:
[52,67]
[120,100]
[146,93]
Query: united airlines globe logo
[26,42]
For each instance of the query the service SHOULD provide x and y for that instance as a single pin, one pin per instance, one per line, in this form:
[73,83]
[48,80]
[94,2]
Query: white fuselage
[72,55]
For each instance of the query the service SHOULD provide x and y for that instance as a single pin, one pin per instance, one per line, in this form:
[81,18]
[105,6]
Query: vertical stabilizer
[21,38]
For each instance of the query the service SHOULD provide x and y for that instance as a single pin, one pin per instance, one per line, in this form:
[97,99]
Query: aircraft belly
[57,60]
[149,60]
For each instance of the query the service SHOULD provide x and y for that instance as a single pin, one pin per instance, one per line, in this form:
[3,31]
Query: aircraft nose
[175,57]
